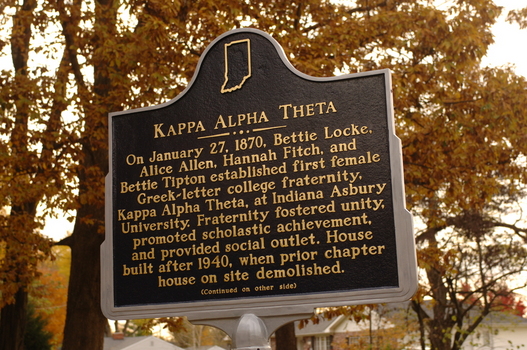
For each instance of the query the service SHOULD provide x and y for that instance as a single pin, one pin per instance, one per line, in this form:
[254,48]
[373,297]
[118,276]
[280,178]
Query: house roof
[138,343]
[504,318]
[342,324]
[323,326]
[494,317]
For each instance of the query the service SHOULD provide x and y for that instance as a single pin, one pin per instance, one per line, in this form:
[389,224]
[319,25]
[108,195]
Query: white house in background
[317,336]
[119,342]
[343,333]
[499,331]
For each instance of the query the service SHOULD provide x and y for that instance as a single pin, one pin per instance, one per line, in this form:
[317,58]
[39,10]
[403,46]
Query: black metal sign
[258,186]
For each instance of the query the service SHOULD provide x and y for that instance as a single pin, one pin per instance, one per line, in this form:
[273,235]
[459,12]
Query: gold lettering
[307,110]
[188,127]
[240,120]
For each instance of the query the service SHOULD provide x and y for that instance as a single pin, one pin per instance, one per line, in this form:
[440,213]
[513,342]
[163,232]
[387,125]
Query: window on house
[329,340]
[354,340]
[363,342]
[323,343]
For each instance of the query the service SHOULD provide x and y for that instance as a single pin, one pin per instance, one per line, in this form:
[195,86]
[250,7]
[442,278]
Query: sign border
[271,306]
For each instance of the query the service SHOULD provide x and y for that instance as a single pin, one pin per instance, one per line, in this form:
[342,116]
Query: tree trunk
[420,317]
[13,323]
[85,323]
[285,337]
[13,316]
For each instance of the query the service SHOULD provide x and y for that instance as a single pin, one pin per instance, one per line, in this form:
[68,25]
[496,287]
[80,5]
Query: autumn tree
[48,293]
[186,335]
[460,123]
[381,326]
[35,336]
[183,333]
[34,162]
[468,279]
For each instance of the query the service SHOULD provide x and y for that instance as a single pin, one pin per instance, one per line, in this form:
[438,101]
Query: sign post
[256,195]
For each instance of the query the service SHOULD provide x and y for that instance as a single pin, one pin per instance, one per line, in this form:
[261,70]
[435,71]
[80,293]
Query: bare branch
[521,232]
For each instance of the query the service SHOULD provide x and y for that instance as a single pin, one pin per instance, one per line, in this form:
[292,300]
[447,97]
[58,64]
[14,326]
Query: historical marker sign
[258,188]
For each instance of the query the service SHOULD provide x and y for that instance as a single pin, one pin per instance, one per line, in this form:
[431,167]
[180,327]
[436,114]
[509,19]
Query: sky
[510,42]
[510,47]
